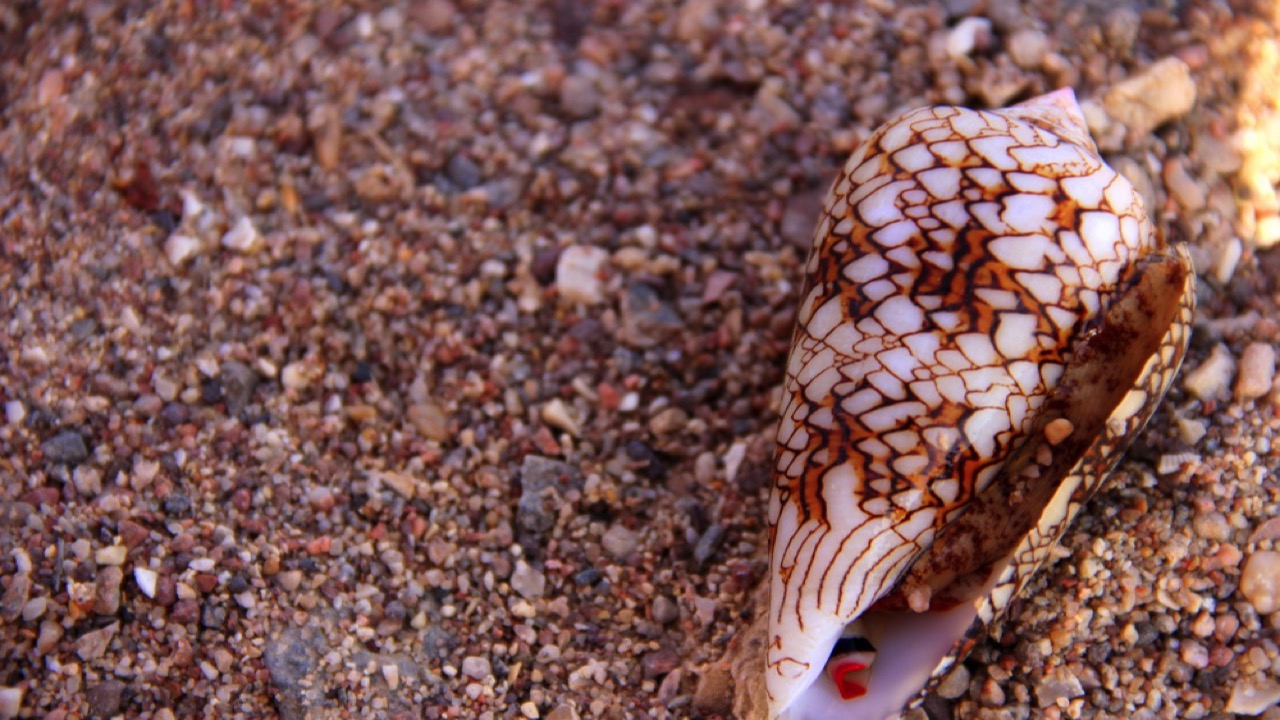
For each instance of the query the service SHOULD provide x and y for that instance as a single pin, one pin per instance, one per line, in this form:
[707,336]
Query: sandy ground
[422,360]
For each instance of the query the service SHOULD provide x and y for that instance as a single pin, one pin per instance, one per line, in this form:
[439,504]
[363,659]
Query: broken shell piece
[988,320]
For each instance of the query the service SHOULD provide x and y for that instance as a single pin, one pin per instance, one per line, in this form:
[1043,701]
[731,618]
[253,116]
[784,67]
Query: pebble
[435,16]
[180,248]
[708,543]
[67,447]
[238,383]
[1212,379]
[991,694]
[1269,530]
[578,271]
[714,691]
[106,597]
[1195,654]
[1182,186]
[1120,28]
[579,96]
[528,581]
[542,480]
[1028,47]
[430,420]
[647,318]
[697,20]
[476,667]
[391,673]
[1260,581]
[955,684]
[665,610]
[14,412]
[105,699]
[668,420]
[297,689]
[659,662]
[91,645]
[146,579]
[87,480]
[559,415]
[1164,91]
[111,555]
[619,541]
[35,608]
[243,237]
[563,711]
[968,35]
[1252,698]
[10,702]
[1228,258]
[1257,371]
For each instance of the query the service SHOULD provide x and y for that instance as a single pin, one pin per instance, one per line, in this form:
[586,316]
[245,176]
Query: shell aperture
[989,318]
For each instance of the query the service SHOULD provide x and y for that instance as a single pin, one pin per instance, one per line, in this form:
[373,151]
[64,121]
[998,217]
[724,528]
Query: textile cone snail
[989,318]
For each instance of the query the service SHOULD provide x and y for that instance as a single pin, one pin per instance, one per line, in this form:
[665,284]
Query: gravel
[338,340]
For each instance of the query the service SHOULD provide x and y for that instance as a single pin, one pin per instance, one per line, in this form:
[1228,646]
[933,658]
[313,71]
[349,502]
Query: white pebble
[1257,370]
[203,565]
[1251,699]
[243,237]
[15,412]
[1165,91]
[1260,581]
[528,581]
[1212,379]
[1224,265]
[578,274]
[146,579]
[558,415]
[114,555]
[181,248]
[476,667]
[964,37]
[619,541]
[10,702]
[1028,47]
[391,673]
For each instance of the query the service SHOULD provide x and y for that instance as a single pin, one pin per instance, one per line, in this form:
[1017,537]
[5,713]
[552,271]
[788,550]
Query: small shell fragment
[988,320]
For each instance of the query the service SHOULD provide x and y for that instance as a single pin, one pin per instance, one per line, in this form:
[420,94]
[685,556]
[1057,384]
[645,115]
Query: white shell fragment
[989,318]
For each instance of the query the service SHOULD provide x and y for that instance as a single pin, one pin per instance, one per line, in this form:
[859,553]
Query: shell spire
[989,317]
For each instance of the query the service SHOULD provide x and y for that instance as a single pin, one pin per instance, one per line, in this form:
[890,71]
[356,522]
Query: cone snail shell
[989,318]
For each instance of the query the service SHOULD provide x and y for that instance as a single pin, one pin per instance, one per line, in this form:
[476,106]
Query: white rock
[1252,699]
[528,581]
[181,248]
[146,579]
[578,274]
[1260,581]
[10,702]
[476,668]
[619,541]
[964,37]
[1163,92]
[1257,370]
[558,415]
[1212,379]
[113,555]
[391,673]
[1224,264]
[1028,47]
[15,412]
[243,237]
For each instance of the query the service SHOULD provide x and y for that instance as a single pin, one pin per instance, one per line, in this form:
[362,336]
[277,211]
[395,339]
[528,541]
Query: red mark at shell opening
[851,673]
[846,677]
